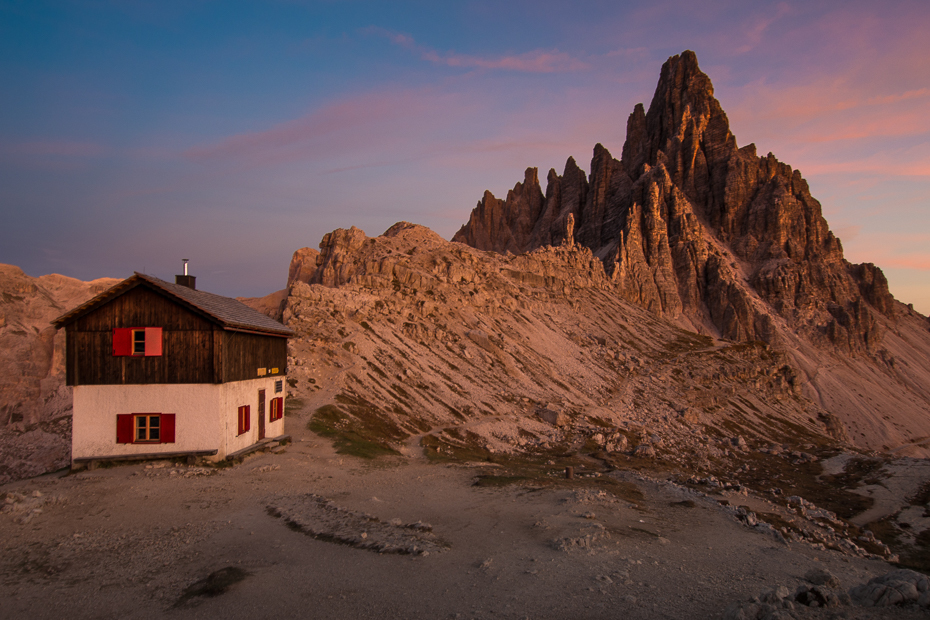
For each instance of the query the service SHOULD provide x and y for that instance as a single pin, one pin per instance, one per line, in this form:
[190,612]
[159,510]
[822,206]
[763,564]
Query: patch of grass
[916,557]
[803,479]
[364,437]
[856,472]
[921,498]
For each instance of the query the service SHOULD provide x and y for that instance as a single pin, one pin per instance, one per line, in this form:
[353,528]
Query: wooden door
[261,414]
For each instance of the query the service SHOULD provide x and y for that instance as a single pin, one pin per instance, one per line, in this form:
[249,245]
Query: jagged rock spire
[691,226]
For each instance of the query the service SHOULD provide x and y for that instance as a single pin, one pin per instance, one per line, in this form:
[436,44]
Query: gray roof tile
[228,312]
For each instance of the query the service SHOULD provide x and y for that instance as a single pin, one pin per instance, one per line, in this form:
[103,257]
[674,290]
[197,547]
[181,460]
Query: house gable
[204,338]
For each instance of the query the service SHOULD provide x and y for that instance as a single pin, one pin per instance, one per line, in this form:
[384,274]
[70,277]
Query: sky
[136,133]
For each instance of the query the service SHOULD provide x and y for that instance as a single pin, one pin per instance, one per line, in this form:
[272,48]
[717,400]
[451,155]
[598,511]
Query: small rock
[822,577]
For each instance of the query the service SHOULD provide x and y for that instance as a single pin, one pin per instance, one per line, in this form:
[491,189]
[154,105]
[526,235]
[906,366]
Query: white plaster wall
[197,417]
[239,393]
[206,416]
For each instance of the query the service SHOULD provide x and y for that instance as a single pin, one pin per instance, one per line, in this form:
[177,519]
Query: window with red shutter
[122,341]
[153,341]
[277,408]
[141,341]
[145,428]
[245,419]
[125,427]
[167,428]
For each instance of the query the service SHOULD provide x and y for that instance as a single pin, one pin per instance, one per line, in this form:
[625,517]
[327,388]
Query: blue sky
[135,133]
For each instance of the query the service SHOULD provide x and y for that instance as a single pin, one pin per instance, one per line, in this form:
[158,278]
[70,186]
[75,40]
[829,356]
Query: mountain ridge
[697,229]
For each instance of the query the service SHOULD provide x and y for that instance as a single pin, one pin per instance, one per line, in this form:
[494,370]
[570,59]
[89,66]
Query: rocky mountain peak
[694,228]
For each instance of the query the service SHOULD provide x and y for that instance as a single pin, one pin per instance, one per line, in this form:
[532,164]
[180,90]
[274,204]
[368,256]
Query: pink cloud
[535,61]
[892,249]
[871,166]
[920,262]
[756,32]
[358,122]
[867,81]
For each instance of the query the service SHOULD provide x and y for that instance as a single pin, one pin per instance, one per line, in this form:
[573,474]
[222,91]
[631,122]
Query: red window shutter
[167,428]
[122,341]
[153,341]
[124,428]
[245,419]
[280,407]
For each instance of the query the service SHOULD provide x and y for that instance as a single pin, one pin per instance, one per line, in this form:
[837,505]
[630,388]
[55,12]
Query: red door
[261,414]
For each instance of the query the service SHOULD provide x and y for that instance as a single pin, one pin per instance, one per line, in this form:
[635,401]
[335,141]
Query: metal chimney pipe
[186,280]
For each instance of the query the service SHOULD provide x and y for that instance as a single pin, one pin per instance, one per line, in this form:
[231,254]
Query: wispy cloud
[534,61]
[359,122]
[756,31]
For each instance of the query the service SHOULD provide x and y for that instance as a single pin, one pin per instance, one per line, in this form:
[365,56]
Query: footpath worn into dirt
[313,534]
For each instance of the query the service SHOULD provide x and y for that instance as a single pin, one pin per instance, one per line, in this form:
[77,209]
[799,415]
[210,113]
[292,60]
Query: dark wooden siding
[196,350]
[244,354]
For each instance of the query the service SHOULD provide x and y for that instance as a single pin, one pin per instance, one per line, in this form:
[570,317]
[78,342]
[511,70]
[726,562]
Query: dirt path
[139,541]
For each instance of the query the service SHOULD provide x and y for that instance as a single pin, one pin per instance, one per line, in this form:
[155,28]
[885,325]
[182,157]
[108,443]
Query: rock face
[35,403]
[407,332]
[35,391]
[692,227]
[303,266]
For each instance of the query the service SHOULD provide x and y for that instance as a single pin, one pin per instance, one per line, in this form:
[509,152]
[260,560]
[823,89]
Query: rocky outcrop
[406,331]
[271,305]
[35,403]
[32,388]
[691,226]
[303,266]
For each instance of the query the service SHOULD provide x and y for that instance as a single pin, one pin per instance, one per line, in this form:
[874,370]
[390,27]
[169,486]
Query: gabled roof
[229,313]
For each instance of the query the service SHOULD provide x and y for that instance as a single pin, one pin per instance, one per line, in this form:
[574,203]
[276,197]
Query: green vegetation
[805,480]
[357,427]
[292,405]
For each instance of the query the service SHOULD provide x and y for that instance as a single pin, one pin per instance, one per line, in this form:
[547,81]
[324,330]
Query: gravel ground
[310,533]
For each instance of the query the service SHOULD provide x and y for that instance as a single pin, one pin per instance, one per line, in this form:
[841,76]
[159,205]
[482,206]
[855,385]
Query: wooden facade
[196,347]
